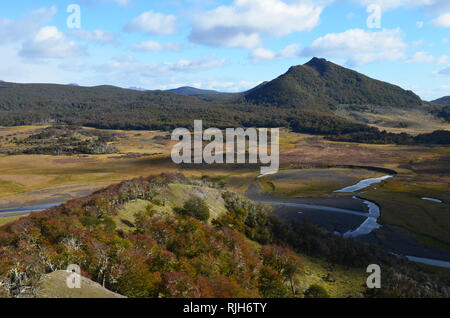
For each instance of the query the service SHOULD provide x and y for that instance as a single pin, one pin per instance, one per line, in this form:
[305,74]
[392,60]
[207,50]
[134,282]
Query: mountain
[306,99]
[192,91]
[442,101]
[110,107]
[320,84]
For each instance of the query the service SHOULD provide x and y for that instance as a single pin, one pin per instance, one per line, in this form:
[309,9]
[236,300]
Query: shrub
[316,291]
[195,207]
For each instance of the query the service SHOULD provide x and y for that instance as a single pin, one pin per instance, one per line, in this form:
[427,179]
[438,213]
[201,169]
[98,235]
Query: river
[371,222]
[362,185]
[25,210]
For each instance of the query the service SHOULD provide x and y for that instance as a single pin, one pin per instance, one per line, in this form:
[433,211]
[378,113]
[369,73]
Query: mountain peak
[321,84]
[317,61]
[319,64]
[192,91]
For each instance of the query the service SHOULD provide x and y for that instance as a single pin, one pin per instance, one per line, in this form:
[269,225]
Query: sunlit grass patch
[8,188]
[402,206]
[10,219]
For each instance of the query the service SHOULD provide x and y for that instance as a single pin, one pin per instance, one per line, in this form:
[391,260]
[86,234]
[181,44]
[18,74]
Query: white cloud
[16,30]
[359,46]
[417,43]
[22,71]
[445,71]
[126,66]
[443,20]
[419,24]
[260,54]
[290,51]
[97,36]
[153,46]
[244,22]
[50,43]
[424,57]
[432,5]
[442,60]
[119,2]
[153,23]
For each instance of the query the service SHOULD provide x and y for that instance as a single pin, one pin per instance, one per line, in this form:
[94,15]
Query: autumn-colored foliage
[166,255]
[245,252]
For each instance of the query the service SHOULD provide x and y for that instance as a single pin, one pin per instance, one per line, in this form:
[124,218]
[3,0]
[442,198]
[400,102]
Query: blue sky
[228,45]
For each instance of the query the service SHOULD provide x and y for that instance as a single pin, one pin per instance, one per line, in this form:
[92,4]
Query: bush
[197,208]
[271,284]
[316,291]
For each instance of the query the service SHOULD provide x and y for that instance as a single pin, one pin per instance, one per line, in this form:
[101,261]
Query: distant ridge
[320,84]
[192,91]
[442,101]
[307,98]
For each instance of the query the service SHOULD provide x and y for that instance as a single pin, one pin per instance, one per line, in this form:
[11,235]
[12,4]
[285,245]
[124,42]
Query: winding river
[371,222]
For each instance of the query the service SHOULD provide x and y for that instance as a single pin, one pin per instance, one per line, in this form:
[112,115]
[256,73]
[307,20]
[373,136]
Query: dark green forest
[375,136]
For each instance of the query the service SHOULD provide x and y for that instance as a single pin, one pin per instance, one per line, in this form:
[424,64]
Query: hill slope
[116,108]
[54,285]
[320,84]
[442,101]
[132,239]
[308,98]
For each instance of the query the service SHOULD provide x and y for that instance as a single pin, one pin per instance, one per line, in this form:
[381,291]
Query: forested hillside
[116,108]
[302,99]
[442,101]
[320,84]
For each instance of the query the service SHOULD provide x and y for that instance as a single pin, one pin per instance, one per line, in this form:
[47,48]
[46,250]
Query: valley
[86,175]
[312,169]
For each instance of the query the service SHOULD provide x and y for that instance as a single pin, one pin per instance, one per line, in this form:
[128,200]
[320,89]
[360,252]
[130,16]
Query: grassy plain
[310,167]
[403,208]
[395,120]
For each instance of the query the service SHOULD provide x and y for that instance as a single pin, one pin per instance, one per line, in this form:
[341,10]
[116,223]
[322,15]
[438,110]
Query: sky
[226,45]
